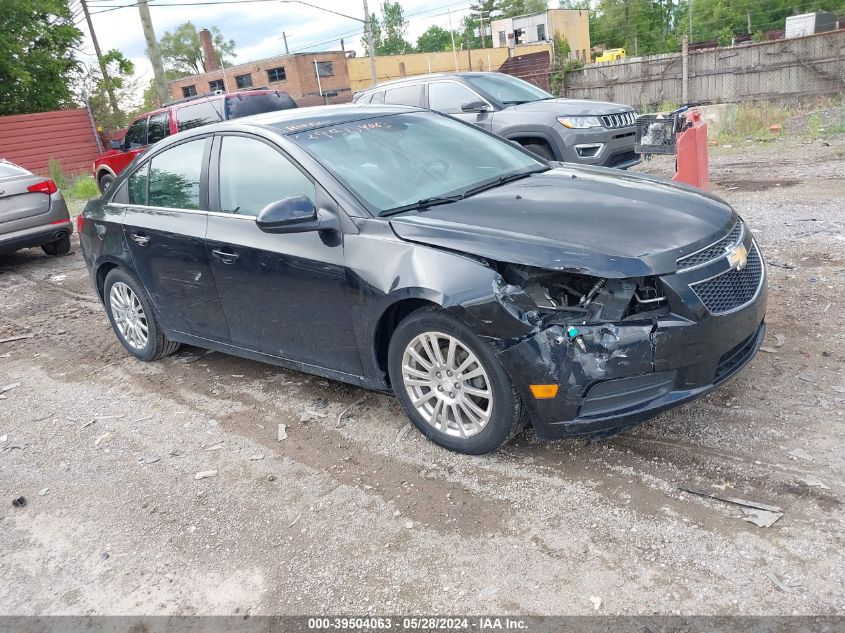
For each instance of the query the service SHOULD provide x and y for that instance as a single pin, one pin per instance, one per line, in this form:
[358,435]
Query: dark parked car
[392,247]
[184,114]
[32,212]
[570,130]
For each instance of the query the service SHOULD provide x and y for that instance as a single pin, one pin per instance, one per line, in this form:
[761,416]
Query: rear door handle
[226,257]
[140,238]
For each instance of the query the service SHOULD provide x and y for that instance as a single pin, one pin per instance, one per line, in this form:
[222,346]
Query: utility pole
[368,31]
[685,70]
[109,87]
[452,33]
[285,38]
[748,17]
[154,52]
[689,3]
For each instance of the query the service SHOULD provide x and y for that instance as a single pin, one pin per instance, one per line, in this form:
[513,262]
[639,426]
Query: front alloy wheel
[451,384]
[447,384]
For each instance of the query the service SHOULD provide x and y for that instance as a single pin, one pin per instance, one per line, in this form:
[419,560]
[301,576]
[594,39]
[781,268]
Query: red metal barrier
[692,163]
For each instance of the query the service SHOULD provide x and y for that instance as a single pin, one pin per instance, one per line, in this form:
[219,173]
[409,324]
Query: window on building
[189,91]
[324,69]
[541,32]
[174,179]
[277,74]
[503,41]
[216,85]
[406,95]
[243,81]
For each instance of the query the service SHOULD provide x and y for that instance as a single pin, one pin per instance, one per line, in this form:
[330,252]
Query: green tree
[512,8]
[389,31]
[96,87]
[434,39]
[182,51]
[37,69]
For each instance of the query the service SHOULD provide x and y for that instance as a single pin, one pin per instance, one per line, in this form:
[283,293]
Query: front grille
[623,119]
[714,251]
[732,289]
[735,357]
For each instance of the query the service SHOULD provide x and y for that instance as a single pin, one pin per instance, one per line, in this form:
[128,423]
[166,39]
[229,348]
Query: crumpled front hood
[571,107]
[592,220]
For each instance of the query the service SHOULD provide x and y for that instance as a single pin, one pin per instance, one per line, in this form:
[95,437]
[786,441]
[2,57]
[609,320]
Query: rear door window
[158,127]
[136,134]
[198,114]
[136,186]
[406,95]
[378,97]
[174,178]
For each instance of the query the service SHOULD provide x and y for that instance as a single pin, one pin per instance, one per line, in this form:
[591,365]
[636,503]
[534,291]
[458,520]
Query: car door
[164,227]
[448,97]
[283,294]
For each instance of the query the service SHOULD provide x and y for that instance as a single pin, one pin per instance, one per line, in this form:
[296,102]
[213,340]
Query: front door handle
[140,238]
[226,257]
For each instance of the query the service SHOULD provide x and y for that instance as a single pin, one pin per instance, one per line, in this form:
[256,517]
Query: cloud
[256,27]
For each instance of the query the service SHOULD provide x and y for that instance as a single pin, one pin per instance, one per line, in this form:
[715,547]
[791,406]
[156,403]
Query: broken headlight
[574,297]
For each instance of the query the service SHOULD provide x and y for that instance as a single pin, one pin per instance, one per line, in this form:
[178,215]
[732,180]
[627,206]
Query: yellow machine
[611,54]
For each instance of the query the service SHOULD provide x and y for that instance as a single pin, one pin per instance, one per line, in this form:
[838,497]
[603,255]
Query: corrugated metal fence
[31,140]
[780,70]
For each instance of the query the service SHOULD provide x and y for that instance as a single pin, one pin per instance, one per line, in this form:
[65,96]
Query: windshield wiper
[422,205]
[502,180]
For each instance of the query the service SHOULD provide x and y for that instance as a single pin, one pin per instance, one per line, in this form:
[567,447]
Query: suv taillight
[45,186]
[80,222]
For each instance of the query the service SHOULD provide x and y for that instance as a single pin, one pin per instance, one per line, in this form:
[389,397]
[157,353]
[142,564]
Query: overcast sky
[256,27]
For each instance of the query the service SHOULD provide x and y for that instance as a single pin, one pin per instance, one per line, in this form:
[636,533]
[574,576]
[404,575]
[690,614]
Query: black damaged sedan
[396,248]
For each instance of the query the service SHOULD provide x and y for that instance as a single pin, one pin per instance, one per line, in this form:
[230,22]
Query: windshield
[400,159]
[507,89]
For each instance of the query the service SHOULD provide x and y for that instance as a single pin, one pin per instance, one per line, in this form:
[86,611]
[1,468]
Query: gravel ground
[357,513]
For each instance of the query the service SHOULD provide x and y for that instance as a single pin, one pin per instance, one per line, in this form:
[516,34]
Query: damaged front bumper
[620,374]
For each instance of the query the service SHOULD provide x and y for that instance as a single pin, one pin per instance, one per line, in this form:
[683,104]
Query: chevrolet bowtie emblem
[737,256]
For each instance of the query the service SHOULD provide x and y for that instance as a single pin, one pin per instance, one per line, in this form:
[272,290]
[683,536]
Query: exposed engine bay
[549,296]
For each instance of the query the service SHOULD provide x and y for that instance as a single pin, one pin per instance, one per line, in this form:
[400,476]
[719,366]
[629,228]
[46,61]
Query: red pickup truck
[181,115]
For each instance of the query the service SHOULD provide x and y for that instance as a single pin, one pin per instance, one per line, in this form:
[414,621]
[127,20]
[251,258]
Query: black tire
[507,415]
[57,248]
[157,345]
[104,182]
[541,149]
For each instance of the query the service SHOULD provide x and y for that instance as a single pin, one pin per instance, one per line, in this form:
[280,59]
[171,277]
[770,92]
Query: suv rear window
[245,105]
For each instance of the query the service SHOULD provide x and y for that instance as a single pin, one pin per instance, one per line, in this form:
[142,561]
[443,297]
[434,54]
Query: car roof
[422,79]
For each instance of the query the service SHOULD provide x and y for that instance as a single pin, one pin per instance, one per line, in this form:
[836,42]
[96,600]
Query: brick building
[295,74]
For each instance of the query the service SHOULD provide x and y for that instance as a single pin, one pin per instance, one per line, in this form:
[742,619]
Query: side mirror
[475,106]
[115,144]
[294,214]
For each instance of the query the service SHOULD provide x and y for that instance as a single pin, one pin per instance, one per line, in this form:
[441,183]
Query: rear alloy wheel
[451,385]
[105,182]
[57,248]
[132,318]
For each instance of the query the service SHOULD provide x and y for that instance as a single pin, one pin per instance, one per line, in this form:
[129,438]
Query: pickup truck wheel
[57,248]
[541,149]
[104,182]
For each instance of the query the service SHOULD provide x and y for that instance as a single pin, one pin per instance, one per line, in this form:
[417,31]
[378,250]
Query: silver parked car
[32,212]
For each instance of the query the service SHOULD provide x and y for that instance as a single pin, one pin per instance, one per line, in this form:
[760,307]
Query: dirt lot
[363,515]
